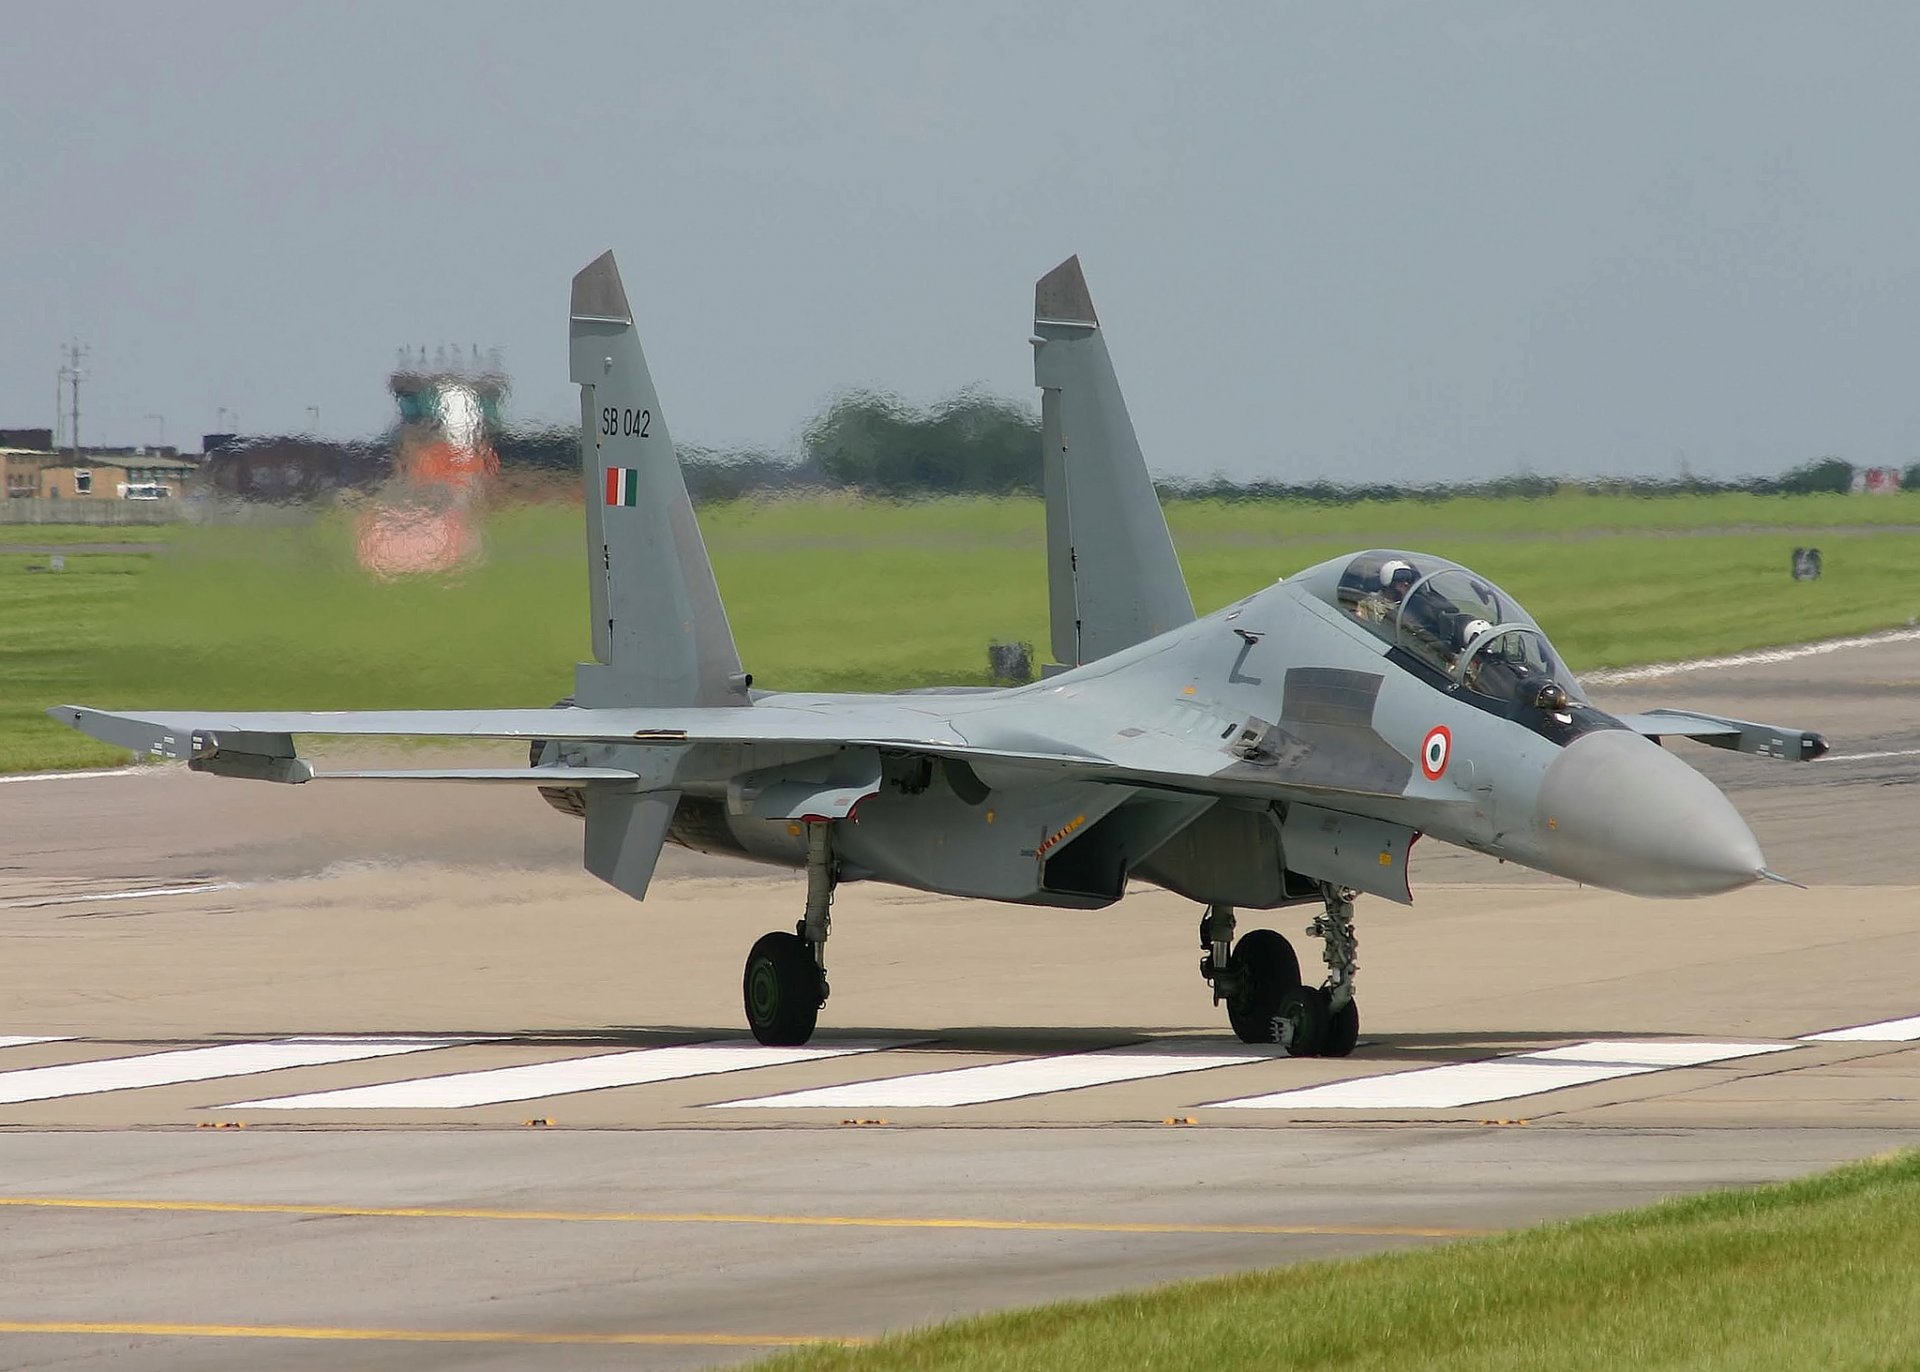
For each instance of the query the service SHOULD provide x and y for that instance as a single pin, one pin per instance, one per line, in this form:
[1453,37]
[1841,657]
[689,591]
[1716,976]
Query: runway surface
[363,1075]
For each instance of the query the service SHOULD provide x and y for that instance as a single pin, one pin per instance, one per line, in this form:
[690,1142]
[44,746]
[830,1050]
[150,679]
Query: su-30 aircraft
[1287,749]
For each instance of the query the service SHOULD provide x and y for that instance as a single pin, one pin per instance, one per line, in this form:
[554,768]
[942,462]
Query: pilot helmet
[1472,629]
[1395,572]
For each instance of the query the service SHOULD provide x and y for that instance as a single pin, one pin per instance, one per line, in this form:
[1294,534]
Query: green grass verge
[1819,1273]
[53,535]
[840,594]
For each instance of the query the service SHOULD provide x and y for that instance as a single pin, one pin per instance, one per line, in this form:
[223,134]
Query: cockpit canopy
[1449,620]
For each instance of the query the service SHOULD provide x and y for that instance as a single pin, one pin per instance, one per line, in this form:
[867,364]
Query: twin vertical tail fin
[1112,577]
[660,633]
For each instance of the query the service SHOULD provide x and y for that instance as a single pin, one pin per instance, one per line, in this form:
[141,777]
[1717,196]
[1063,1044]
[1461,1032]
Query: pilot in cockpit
[1380,606]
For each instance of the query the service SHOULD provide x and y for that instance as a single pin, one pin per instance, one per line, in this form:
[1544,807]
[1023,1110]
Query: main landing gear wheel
[1300,1024]
[1264,970]
[782,990]
[786,979]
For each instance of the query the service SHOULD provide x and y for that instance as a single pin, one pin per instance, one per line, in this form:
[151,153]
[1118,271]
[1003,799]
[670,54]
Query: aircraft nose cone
[1619,811]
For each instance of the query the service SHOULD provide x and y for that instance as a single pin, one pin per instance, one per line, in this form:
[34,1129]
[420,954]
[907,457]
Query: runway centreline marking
[199,1064]
[1502,1078]
[531,1081]
[526,1336]
[433,1212]
[26,1040]
[997,1081]
[139,893]
[1872,757]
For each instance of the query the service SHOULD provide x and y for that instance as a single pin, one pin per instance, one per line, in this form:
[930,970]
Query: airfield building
[101,476]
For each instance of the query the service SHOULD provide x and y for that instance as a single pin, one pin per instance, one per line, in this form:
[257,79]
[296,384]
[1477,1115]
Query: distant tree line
[978,444]
[865,441]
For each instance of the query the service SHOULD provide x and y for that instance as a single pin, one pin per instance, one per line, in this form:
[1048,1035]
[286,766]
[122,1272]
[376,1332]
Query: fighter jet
[1286,749]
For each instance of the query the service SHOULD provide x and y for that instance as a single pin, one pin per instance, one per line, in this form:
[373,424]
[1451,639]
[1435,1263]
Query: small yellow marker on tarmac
[541,1123]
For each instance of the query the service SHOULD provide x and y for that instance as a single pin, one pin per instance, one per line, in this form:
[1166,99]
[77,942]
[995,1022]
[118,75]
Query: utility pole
[72,373]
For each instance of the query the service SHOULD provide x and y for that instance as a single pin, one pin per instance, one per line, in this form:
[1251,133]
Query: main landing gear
[785,983]
[1259,979]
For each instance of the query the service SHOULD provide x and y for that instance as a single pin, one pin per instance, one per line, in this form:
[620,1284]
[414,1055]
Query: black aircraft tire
[1343,1032]
[781,990]
[1304,1011]
[1264,969]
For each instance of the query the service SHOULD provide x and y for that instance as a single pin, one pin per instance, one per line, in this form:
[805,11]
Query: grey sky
[1337,239]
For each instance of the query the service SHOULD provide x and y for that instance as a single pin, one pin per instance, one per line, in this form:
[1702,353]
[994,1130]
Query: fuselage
[1284,698]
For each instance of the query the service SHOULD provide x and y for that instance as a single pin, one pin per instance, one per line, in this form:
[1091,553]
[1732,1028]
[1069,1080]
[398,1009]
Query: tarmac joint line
[696,1217]
[303,1331]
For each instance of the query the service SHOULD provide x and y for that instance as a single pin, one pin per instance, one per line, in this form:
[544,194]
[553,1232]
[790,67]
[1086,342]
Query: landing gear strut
[785,983]
[1339,1018]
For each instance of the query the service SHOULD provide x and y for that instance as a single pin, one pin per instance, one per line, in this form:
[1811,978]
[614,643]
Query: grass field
[1817,1273]
[839,594]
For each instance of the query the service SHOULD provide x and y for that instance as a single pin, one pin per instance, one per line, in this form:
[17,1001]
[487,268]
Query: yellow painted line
[429,1212]
[306,1331]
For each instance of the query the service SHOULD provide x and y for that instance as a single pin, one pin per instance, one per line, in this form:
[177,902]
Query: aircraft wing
[222,739]
[259,745]
[1739,735]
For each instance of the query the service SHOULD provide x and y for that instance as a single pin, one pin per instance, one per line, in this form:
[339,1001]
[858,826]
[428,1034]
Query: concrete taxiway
[495,1113]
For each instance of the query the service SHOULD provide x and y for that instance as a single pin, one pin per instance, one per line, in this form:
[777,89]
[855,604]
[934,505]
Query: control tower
[427,518]
[450,406]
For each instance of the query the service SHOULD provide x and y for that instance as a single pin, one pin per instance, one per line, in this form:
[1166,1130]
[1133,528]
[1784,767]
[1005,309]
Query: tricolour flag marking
[623,486]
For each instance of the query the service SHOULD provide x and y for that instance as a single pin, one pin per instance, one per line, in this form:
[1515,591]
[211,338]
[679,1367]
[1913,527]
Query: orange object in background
[426,519]
[440,463]
[412,540]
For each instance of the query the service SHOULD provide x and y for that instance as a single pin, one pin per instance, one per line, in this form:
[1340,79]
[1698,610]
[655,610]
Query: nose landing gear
[1341,951]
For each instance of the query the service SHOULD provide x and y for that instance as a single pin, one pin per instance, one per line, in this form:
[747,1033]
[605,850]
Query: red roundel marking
[1435,748]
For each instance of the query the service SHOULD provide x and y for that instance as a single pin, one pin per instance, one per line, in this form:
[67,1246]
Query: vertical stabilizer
[660,633]
[1112,576]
